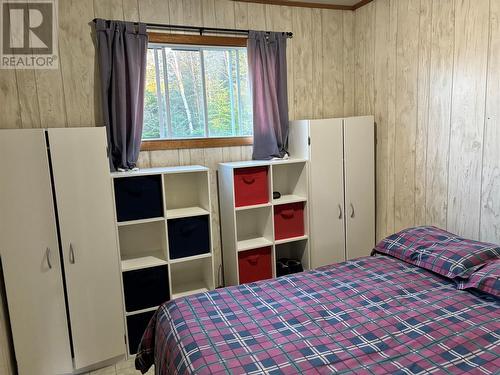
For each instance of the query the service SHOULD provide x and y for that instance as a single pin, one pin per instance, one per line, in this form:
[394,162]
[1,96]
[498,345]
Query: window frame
[206,142]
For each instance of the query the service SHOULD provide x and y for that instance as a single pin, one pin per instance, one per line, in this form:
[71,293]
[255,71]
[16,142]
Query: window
[196,92]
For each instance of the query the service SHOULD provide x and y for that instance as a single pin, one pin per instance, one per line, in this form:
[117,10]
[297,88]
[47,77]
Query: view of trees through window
[196,92]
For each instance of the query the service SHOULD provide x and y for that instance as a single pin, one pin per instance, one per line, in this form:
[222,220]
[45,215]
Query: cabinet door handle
[71,254]
[47,255]
[352,211]
[340,212]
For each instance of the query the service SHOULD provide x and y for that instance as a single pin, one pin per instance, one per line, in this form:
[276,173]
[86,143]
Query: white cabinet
[59,250]
[88,243]
[342,185]
[359,185]
[30,255]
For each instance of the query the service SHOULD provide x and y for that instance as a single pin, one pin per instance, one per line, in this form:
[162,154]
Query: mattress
[373,315]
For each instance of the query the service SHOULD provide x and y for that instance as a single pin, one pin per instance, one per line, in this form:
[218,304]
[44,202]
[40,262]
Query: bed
[373,315]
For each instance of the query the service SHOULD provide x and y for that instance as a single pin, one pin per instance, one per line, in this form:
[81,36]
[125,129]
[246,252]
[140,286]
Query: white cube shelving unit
[250,227]
[161,215]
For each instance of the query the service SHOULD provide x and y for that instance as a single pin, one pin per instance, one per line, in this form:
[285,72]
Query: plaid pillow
[486,279]
[439,251]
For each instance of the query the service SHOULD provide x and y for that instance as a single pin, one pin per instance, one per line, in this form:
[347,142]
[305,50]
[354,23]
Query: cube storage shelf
[163,222]
[258,229]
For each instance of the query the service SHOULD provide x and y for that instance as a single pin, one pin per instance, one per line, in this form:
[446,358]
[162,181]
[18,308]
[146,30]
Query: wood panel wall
[320,74]
[428,69]
[430,72]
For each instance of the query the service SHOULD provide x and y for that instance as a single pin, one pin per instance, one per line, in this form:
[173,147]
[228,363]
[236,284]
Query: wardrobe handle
[71,254]
[47,255]
[352,210]
[340,212]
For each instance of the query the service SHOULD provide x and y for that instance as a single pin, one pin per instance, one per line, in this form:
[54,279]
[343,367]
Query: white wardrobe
[342,185]
[58,247]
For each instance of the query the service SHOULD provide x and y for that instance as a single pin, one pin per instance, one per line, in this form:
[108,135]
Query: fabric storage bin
[289,220]
[255,265]
[136,325]
[145,288]
[188,236]
[138,197]
[251,186]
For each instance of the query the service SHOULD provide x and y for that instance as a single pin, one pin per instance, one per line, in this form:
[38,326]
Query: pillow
[485,279]
[439,251]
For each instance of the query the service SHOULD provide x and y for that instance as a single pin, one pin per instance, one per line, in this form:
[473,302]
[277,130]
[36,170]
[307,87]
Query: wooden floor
[122,368]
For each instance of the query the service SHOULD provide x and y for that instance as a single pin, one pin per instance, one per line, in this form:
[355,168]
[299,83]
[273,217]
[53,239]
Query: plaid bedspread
[375,315]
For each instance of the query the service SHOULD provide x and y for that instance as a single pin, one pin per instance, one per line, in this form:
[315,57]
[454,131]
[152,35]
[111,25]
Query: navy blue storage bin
[188,236]
[145,288]
[136,325]
[138,197]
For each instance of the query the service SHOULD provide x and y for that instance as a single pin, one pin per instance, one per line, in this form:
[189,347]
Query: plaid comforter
[374,315]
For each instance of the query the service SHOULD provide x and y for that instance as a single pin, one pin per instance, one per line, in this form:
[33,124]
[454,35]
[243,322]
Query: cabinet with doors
[59,251]
[163,220]
[341,155]
[264,208]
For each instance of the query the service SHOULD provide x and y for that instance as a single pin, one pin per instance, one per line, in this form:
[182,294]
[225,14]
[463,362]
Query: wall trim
[303,4]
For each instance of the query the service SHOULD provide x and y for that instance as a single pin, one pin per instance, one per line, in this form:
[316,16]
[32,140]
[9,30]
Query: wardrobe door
[30,256]
[326,192]
[359,154]
[89,243]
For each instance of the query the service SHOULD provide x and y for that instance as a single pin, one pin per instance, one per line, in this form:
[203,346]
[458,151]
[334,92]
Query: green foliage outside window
[196,92]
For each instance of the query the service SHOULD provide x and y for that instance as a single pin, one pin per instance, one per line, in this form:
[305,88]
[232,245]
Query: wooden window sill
[173,144]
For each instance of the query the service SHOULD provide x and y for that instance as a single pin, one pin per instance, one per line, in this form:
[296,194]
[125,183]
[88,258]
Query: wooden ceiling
[325,4]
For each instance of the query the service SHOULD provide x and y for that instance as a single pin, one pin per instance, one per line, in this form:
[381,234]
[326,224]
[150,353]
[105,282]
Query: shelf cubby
[186,194]
[143,245]
[255,265]
[251,186]
[188,236]
[290,180]
[136,325]
[138,197]
[289,220]
[254,228]
[297,250]
[191,277]
[145,288]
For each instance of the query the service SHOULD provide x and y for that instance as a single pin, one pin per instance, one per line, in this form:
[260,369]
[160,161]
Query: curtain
[267,68]
[122,48]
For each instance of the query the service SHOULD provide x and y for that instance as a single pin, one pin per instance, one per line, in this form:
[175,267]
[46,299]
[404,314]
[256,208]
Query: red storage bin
[255,265]
[250,186]
[289,220]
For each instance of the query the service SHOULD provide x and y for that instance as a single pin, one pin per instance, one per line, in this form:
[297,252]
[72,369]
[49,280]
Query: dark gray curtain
[267,67]
[122,48]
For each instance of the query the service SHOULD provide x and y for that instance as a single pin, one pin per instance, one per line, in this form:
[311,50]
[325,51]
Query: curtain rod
[201,30]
